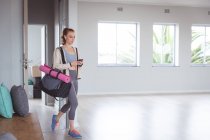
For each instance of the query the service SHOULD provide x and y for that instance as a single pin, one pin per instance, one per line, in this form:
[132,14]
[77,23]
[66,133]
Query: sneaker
[74,134]
[54,123]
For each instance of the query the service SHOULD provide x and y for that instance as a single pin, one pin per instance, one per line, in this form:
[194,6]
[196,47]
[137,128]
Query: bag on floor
[6,108]
[20,100]
[54,86]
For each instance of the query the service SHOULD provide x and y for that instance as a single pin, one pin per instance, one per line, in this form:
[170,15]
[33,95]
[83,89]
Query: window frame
[137,49]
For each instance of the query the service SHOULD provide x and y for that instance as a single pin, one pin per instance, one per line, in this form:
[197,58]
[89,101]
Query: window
[117,44]
[200,45]
[164,47]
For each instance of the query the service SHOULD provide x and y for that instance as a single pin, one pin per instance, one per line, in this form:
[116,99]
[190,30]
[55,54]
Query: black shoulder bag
[54,86]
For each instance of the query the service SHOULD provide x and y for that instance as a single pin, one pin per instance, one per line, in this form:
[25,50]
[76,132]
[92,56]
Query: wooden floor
[23,128]
[152,117]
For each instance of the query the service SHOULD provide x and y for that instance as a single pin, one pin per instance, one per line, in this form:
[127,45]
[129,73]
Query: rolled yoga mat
[46,69]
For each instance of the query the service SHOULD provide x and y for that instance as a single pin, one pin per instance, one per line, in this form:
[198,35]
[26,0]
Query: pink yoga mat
[46,69]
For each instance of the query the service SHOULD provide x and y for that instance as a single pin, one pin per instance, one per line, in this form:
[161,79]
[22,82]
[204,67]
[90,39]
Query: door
[36,57]
[34,38]
[25,45]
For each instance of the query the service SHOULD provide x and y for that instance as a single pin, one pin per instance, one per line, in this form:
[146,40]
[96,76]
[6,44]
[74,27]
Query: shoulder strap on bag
[62,57]
[64,71]
[77,59]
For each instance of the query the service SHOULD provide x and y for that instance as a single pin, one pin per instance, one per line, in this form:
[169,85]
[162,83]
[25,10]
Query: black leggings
[72,102]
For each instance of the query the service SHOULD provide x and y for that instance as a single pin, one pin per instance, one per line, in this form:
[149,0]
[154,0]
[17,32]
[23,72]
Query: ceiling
[189,3]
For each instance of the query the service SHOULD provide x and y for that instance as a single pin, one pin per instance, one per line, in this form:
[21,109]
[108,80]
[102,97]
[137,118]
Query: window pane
[106,43]
[126,43]
[117,44]
[198,44]
[157,43]
[168,44]
[163,44]
[208,45]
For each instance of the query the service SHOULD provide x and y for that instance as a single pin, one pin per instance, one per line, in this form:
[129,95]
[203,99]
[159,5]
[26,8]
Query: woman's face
[70,38]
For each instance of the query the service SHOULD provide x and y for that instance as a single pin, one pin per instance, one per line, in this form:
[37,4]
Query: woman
[71,65]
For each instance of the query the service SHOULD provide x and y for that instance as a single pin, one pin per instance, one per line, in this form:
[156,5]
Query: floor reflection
[172,117]
[152,117]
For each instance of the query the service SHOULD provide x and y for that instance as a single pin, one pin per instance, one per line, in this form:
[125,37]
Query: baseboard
[147,92]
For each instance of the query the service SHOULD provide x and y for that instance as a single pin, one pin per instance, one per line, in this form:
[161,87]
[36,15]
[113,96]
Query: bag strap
[62,57]
[77,60]
[64,71]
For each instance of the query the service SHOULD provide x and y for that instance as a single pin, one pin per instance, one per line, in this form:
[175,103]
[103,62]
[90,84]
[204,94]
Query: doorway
[36,57]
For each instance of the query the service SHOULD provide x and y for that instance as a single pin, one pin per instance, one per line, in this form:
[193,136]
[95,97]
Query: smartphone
[81,60]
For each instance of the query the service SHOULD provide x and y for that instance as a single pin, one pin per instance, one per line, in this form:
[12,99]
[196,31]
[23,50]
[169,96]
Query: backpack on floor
[6,107]
[20,100]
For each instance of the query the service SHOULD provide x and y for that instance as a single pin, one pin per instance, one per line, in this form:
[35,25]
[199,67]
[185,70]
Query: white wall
[143,79]
[73,16]
[11,21]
